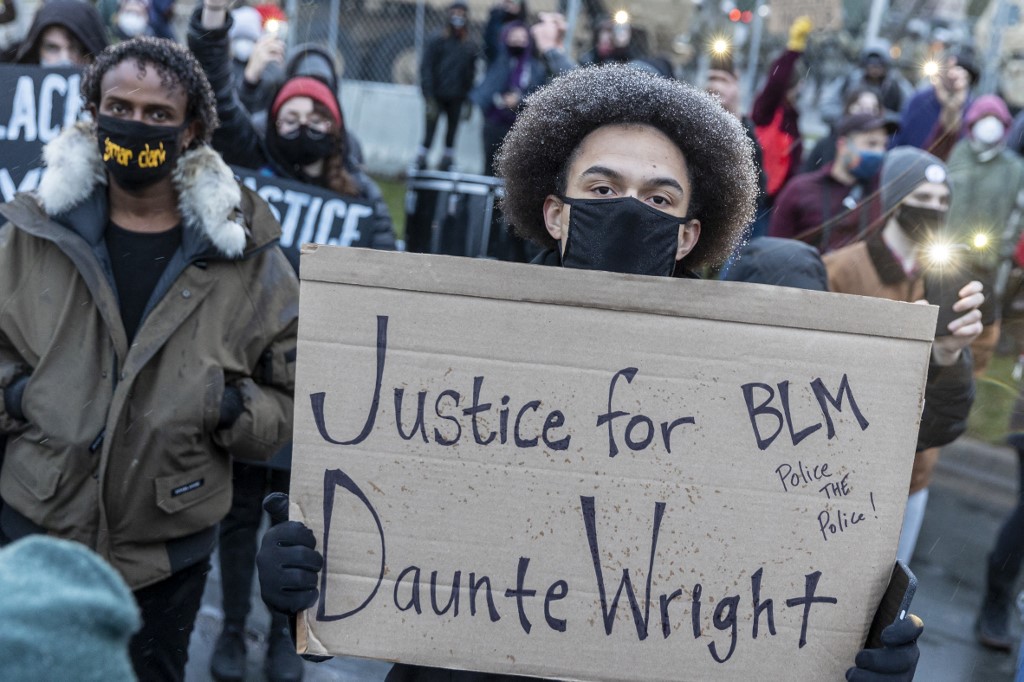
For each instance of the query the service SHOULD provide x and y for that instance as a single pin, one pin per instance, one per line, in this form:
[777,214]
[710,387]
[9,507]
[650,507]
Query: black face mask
[621,235]
[302,146]
[138,155]
[516,50]
[920,222]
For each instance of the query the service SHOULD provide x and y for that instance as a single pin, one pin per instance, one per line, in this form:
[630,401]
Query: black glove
[896,661]
[13,393]
[288,563]
[231,407]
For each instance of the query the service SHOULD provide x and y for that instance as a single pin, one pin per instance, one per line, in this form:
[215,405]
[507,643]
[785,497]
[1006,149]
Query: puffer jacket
[120,449]
[240,141]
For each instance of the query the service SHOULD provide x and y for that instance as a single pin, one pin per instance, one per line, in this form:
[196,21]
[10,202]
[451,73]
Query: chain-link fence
[380,40]
[375,40]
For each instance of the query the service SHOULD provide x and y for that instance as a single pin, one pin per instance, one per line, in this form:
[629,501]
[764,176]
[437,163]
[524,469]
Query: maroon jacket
[821,211]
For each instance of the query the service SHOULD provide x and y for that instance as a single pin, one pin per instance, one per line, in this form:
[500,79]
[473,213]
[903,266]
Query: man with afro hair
[148,330]
[615,169]
[667,154]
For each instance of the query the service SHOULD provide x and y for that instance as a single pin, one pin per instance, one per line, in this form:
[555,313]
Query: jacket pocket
[40,479]
[188,490]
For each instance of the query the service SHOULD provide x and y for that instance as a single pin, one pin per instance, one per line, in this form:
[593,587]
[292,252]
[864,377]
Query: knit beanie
[64,614]
[904,169]
[988,105]
[305,86]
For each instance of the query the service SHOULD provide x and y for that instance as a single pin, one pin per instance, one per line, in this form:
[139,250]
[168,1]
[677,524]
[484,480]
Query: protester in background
[178,349]
[612,44]
[875,73]
[775,112]
[65,613]
[446,77]
[935,112]
[529,58]
[638,148]
[257,59]
[722,81]
[858,101]
[504,12]
[131,19]
[890,264]
[305,137]
[63,33]
[839,203]
[987,188]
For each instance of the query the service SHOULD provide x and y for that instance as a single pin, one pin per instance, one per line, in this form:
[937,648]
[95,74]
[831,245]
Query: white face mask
[241,48]
[989,131]
[132,23]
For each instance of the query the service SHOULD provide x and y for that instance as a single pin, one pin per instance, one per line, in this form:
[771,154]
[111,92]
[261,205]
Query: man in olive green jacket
[148,326]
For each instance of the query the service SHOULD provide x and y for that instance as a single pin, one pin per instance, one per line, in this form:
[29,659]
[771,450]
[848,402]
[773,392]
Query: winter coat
[120,448]
[79,18]
[449,65]
[779,262]
[823,212]
[919,124]
[240,142]
[869,268]
[983,195]
[537,71]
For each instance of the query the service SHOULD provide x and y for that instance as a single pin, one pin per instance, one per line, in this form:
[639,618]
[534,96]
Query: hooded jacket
[79,18]
[119,449]
[985,188]
[239,140]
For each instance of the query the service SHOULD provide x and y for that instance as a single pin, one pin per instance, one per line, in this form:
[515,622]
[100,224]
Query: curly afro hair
[536,154]
[177,67]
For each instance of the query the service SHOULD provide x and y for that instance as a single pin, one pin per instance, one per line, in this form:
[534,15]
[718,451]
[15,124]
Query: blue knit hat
[64,613]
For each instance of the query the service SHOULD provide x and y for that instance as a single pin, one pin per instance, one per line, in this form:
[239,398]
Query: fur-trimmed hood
[209,197]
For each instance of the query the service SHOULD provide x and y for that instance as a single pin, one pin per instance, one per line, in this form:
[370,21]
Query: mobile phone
[895,604]
[943,290]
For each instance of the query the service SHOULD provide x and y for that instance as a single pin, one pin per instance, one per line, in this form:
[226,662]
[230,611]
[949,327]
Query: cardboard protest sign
[826,15]
[35,104]
[590,476]
[310,214]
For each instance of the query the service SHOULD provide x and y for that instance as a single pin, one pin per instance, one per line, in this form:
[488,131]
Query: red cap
[304,86]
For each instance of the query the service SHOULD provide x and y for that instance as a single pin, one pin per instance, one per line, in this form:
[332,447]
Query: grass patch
[394,197]
[996,393]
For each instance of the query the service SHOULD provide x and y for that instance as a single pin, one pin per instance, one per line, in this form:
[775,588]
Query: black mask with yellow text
[621,235]
[138,155]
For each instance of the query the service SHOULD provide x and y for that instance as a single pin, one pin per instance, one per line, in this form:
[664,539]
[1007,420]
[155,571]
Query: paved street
[973,489]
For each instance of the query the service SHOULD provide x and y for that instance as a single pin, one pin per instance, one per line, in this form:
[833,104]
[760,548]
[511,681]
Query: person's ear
[840,147]
[689,233]
[556,217]
[190,134]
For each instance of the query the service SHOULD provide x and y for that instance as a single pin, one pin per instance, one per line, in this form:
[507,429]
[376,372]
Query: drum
[456,214]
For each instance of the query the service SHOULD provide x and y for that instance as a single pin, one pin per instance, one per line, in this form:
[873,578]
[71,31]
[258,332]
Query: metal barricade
[456,214]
